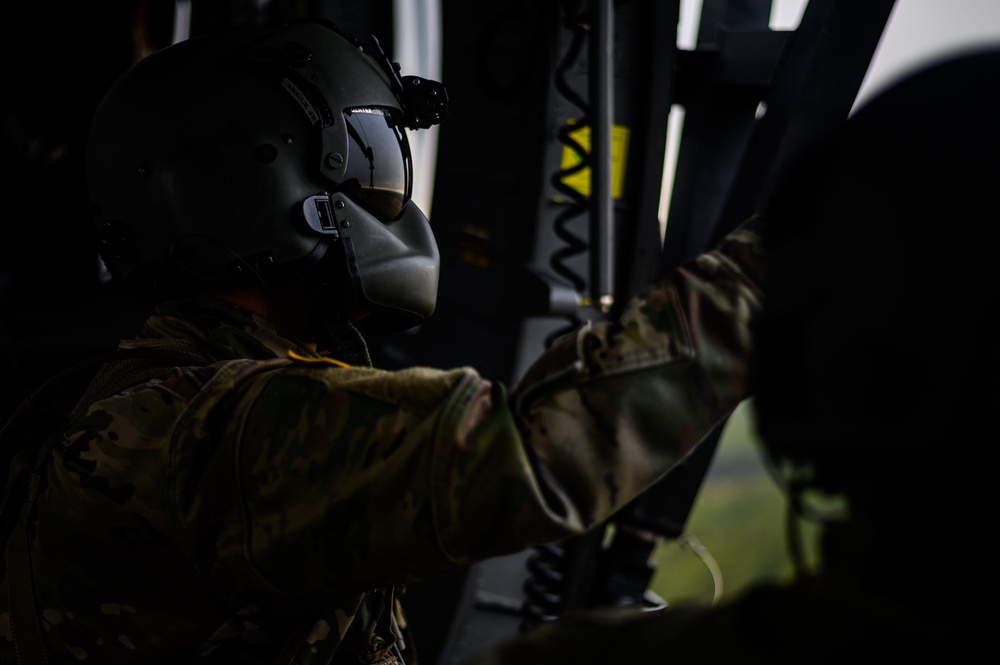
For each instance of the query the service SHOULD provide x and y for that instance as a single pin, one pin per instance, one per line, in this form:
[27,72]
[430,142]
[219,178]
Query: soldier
[875,373]
[239,484]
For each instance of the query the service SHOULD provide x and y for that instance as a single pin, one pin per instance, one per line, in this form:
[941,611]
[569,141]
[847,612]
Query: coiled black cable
[544,588]
[576,204]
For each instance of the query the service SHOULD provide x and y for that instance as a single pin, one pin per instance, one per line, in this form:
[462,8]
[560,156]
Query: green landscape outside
[736,534]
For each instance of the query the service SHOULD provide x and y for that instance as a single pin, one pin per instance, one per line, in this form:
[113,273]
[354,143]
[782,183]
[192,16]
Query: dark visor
[378,162]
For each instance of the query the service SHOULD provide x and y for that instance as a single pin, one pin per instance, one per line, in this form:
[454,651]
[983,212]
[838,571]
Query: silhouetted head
[878,362]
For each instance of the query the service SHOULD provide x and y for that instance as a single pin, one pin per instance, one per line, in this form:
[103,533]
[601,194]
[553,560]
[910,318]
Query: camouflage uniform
[264,505]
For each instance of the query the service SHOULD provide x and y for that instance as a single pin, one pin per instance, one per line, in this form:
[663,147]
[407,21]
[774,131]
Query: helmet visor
[378,162]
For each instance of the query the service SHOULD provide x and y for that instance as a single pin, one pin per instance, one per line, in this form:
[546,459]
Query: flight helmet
[265,154]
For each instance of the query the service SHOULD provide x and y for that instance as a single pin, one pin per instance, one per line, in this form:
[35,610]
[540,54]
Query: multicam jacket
[263,505]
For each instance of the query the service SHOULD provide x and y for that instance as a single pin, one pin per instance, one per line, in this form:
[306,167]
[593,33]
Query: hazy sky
[918,31]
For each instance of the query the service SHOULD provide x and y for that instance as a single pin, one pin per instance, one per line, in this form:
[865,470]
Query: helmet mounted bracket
[424,102]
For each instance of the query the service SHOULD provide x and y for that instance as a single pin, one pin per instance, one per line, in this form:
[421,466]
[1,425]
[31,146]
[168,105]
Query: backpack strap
[29,424]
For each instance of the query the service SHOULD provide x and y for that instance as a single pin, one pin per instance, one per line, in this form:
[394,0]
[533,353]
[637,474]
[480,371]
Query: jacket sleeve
[357,476]
[607,410]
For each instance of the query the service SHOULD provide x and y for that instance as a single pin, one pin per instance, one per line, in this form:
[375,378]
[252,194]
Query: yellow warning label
[580,180]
